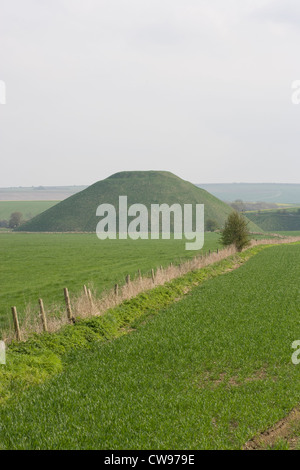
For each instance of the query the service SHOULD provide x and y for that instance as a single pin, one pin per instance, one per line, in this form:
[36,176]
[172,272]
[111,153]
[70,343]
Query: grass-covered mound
[78,212]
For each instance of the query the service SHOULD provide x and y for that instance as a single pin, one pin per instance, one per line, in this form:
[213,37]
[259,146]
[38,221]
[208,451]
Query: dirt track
[283,430]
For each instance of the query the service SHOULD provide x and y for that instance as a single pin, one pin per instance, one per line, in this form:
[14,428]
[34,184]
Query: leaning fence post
[153,275]
[90,296]
[43,315]
[116,290]
[16,323]
[68,305]
[85,290]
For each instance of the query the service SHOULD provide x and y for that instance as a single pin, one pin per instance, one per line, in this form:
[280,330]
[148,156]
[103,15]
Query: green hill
[276,220]
[78,212]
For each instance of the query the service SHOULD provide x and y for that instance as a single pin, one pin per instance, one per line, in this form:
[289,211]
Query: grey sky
[198,87]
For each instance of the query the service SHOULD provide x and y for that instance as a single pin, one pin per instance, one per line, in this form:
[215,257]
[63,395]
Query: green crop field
[29,209]
[209,371]
[37,266]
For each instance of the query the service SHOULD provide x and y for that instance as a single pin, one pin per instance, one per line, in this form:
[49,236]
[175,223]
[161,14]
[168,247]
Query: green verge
[42,356]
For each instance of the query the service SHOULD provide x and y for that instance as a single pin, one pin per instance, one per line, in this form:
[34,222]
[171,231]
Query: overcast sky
[201,88]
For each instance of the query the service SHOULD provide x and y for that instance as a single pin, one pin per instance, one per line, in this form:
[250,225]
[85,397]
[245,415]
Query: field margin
[42,355]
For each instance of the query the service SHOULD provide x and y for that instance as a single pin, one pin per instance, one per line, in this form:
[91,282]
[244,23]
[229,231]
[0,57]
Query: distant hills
[276,220]
[228,192]
[255,192]
[78,212]
[39,193]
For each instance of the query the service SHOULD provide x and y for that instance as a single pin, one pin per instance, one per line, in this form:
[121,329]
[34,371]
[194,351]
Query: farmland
[28,209]
[274,220]
[41,265]
[209,371]
[279,193]
[38,193]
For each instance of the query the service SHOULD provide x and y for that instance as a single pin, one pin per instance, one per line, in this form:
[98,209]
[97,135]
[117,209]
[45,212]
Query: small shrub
[235,231]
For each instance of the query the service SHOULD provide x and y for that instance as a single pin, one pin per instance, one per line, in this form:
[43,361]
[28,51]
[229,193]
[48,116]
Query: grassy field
[275,220]
[29,209]
[209,371]
[41,265]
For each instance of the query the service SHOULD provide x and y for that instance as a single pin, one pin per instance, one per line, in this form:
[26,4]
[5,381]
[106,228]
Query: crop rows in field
[210,371]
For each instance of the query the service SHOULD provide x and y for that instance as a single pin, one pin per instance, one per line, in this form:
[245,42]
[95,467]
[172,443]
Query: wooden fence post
[128,279]
[90,296]
[16,323]
[85,290]
[153,275]
[140,275]
[68,305]
[116,290]
[43,315]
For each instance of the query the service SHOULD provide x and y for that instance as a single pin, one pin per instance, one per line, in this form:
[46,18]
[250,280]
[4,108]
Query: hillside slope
[78,212]
[284,220]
